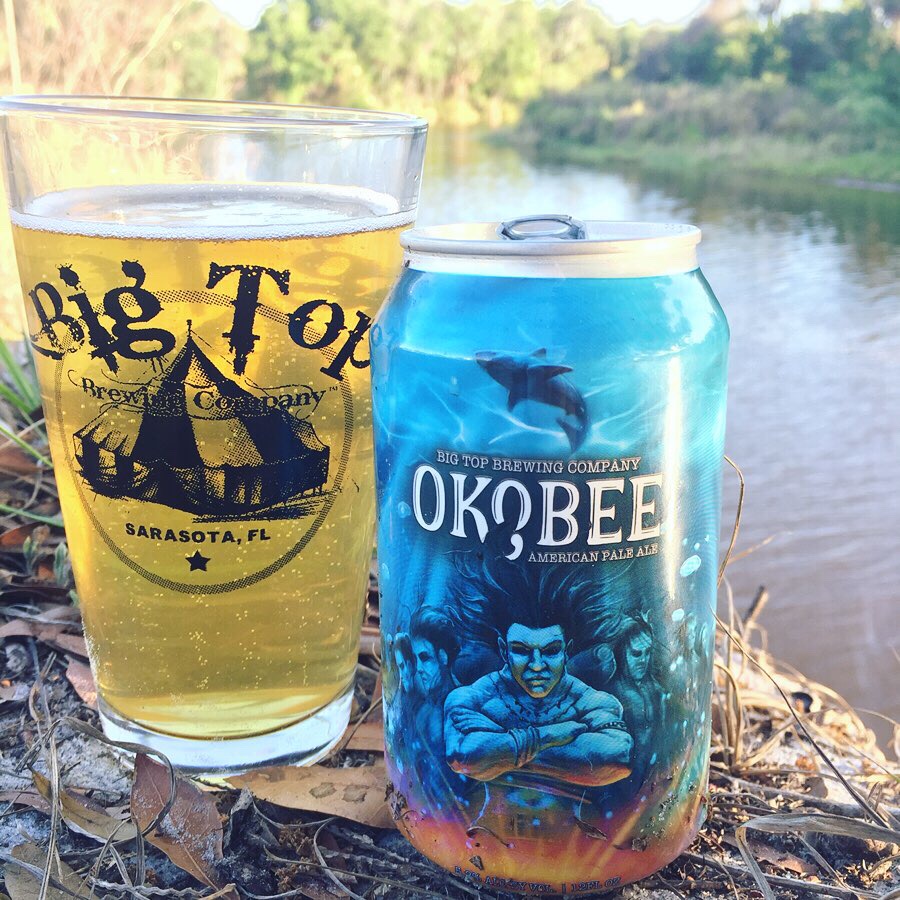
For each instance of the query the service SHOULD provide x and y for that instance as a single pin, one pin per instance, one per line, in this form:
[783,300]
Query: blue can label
[547,616]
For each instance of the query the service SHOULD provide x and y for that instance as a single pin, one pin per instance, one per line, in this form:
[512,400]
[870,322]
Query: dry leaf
[25,798]
[18,628]
[14,693]
[53,635]
[43,571]
[59,612]
[15,460]
[819,823]
[23,884]
[781,858]
[22,588]
[14,538]
[68,643]
[592,830]
[190,834]
[367,736]
[82,679]
[85,817]
[316,891]
[817,787]
[356,793]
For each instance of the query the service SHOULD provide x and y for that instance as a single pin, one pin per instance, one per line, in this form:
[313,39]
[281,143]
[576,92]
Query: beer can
[549,411]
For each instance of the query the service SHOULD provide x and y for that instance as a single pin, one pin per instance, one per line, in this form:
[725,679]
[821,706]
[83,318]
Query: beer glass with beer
[199,280]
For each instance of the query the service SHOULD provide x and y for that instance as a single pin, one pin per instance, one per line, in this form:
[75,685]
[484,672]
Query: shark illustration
[531,377]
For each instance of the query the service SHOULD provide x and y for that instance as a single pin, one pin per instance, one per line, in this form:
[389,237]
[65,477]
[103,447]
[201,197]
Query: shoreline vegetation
[717,160]
[738,128]
[812,96]
[720,159]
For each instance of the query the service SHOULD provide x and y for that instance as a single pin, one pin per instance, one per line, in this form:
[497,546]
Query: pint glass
[199,281]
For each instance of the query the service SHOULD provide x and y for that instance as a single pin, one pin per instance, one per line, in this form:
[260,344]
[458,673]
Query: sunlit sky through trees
[247,12]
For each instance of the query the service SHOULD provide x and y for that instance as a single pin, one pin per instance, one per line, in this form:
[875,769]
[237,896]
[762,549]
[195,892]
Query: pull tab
[552,227]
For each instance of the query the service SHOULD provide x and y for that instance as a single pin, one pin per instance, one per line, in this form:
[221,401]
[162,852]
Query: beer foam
[213,212]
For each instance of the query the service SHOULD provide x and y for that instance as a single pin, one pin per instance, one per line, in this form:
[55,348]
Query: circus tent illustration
[239,455]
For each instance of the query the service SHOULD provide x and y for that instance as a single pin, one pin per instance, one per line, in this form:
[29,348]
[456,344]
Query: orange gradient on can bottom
[576,860]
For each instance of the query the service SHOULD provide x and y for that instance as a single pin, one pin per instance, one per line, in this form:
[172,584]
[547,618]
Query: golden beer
[204,369]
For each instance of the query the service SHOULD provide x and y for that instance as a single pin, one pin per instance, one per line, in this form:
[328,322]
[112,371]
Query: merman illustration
[532,716]
[531,377]
[534,742]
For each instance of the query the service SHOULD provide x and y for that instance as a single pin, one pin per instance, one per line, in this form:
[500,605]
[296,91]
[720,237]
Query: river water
[808,276]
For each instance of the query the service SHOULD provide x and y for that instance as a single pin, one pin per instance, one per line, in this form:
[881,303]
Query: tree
[482,60]
[285,56]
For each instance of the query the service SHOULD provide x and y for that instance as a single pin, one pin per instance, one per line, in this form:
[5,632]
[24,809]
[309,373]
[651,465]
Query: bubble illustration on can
[548,643]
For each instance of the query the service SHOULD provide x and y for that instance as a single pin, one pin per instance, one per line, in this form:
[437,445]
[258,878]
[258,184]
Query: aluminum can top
[552,246]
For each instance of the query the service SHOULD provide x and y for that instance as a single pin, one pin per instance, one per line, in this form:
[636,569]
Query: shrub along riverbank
[751,126]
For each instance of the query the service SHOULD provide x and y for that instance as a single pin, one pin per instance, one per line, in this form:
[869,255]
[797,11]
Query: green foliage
[797,95]
[20,404]
[608,111]
[481,60]
[802,47]
[287,58]
[758,125]
[202,56]
[18,384]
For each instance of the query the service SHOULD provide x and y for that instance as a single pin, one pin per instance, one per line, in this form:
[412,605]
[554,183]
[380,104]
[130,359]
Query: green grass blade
[6,432]
[26,385]
[47,520]
[20,404]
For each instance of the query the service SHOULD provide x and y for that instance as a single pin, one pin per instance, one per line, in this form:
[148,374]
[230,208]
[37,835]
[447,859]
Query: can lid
[554,246]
